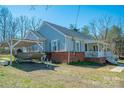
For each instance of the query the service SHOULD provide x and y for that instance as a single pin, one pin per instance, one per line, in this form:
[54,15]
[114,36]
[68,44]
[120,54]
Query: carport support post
[11,47]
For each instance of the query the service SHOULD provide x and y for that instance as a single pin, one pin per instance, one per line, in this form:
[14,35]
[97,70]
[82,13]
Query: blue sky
[66,15]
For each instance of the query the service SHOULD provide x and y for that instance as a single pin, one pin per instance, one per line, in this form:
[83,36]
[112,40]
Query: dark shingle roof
[69,32]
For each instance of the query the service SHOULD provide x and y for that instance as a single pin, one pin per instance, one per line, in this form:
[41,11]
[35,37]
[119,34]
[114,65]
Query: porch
[94,49]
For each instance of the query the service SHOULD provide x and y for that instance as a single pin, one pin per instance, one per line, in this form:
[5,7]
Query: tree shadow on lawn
[87,64]
[33,66]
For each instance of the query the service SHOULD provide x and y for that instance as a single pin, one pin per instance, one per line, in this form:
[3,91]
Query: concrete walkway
[118,69]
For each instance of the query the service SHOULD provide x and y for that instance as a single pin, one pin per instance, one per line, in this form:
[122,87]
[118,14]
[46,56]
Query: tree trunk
[11,52]
[4,29]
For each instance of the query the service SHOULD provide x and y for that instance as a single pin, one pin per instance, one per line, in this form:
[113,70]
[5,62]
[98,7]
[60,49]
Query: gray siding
[70,45]
[51,34]
[35,48]
[82,46]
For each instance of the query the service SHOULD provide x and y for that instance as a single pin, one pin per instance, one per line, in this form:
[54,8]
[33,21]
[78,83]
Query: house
[35,36]
[64,45]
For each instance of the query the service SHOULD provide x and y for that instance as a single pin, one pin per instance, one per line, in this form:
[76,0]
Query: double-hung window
[77,46]
[54,45]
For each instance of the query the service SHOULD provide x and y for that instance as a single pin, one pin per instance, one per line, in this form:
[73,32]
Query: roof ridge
[55,24]
[67,31]
[39,34]
[62,27]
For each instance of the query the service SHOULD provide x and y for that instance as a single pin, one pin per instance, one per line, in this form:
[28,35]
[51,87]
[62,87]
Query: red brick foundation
[101,60]
[63,57]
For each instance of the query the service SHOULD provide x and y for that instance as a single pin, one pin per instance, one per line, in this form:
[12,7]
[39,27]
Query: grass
[84,63]
[6,57]
[64,76]
[121,61]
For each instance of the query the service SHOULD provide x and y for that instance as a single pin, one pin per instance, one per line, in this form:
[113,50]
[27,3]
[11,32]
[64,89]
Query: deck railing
[98,54]
[95,54]
[108,54]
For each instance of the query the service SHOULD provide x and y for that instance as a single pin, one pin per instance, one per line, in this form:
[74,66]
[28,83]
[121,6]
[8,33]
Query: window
[95,48]
[54,45]
[77,46]
[85,47]
[35,48]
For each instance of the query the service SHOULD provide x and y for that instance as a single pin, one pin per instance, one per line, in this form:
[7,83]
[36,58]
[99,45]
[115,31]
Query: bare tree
[13,29]
[100,27]
[4,21]
[118,37]
[7,27]
[23,25]
[35,24]
[105,24]
[93,29]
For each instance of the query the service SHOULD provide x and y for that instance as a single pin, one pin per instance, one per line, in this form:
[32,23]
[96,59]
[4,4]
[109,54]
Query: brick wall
[62,57]
[101,60]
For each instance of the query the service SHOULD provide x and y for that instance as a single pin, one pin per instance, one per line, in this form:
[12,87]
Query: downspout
[68,57]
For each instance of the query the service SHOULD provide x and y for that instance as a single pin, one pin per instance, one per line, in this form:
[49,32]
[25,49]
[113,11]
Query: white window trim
[56,45]
[78,46]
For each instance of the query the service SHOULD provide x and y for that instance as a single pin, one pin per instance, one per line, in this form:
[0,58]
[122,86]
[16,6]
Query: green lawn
[6,57]
[121,61]
[85,64]
[64,76]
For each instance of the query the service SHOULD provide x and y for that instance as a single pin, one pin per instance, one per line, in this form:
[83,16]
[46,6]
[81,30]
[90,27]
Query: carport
[16,43]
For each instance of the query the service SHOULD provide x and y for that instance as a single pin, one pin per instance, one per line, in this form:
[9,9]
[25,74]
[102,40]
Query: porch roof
[97,42]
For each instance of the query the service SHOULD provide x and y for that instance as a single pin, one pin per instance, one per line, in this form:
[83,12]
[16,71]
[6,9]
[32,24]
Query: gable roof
[38,34]
[68,32]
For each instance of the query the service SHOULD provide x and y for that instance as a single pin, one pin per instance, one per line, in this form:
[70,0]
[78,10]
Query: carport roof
[20,43]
